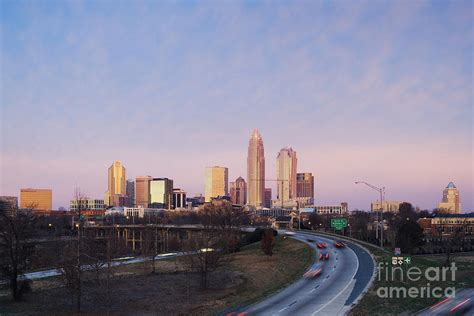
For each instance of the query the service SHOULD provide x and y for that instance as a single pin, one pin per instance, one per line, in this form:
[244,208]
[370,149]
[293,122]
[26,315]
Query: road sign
[338,223]
[397,251]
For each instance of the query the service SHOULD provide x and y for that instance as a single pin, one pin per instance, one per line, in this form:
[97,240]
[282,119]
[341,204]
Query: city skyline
[393,108]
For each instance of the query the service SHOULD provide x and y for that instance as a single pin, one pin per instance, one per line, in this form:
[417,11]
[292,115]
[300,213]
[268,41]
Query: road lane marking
[342,291]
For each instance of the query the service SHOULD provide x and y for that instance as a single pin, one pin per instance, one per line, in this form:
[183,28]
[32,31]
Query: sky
[376,91]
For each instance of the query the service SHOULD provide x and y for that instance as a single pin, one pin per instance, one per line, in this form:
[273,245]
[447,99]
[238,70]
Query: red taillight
[440,303]
[459,305]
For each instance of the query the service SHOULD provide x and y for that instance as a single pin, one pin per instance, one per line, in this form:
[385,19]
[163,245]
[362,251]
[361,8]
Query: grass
[372,304]
[248,277]
[264,275]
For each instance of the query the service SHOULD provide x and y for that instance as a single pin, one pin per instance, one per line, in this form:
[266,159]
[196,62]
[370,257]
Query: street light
[381,191]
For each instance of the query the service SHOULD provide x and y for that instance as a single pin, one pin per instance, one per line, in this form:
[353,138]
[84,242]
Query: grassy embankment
[372,304]
[248,277]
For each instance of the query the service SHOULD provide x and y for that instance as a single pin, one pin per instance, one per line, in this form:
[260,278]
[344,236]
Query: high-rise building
[12,201]
[305,188]
[37,199]
[238,191]
[142,191]
[217,179]
[130,189]
[255,170]
[116,183]
[161,193]
[267,198]
[286,175]
[179,199]
[451,201]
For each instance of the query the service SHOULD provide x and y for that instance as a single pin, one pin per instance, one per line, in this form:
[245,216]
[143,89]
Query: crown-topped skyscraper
[255,170]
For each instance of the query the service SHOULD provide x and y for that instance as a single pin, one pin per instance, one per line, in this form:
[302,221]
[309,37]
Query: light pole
[381,191]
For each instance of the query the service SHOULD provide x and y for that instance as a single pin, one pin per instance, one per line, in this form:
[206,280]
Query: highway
[344,277]
[461,304]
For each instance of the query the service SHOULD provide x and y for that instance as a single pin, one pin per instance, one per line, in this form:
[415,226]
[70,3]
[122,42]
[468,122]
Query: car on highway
[321,245]
[339,244]
[323,255]
[314,271]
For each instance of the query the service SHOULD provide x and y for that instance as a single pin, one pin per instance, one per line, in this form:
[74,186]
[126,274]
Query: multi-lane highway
[345,275]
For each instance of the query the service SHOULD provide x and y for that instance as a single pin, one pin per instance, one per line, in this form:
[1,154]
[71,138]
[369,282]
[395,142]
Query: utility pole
[381,192]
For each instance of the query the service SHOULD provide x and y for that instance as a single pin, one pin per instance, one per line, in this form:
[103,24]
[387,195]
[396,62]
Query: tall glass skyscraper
[255,170]
[286,175]
[116,182]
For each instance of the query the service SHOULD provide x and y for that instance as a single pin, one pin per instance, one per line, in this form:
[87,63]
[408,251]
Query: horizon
[376,92]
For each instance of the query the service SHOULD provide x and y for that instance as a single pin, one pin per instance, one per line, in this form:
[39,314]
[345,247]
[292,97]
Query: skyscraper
[286,175]
[130,189]
[451,201]
[116,182]
[305,188]
[142,191]
[238,191]
[255,170]
[161,193]
[217,182]
[38,199]
[268,198]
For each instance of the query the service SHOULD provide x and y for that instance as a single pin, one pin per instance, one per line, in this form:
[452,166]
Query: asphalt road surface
[343,278]
[461,304]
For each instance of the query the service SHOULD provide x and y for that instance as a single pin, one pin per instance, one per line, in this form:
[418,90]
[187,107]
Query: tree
[359,221]
[268,242]
[16,248]
[448,242]
[227,219]
[405,211]
[315,220]
[73,253]
[409,236]
[202,257]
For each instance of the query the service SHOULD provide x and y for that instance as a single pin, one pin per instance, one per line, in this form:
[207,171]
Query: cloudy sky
[376,91]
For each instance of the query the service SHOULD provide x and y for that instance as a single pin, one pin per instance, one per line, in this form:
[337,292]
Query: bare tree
[202,256]
[228,220]
[268,242]
[16,246]
[72,262]
[450,241]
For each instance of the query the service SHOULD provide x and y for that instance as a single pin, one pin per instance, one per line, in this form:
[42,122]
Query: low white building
[139,212]
[335,209]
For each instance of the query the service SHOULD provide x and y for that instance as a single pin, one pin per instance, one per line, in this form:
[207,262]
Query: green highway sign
[338,223]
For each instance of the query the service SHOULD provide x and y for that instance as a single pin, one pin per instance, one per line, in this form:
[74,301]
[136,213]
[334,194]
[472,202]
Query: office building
[255,171]
[340,209]
[116,183]
[387,206]
[12,201]
[142,191]
[87,204]
[130,191]
[286,175]
[36,199]
[267,198]
[217,179]
[179,199]
[161,193]
[451,201]
[305,185]
[238,191]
